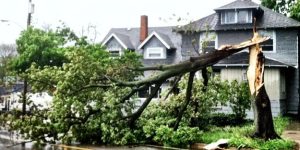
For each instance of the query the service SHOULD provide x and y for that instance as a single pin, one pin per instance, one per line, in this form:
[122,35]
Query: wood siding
[273,86]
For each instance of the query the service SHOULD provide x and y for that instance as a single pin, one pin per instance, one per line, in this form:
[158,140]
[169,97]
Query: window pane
[209,47]
[230,17]
[268,45]
[143,94]
[114,53]
[243,16]
[156,55]
[157,95]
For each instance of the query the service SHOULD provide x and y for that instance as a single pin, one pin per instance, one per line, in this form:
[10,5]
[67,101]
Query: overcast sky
[100,14]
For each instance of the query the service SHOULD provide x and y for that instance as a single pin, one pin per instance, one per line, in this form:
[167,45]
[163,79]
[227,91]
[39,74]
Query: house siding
[233,37]
[170,53]
[292,80]
[286,47]
[286,51]
[190,44]
[272,79]
[113,43]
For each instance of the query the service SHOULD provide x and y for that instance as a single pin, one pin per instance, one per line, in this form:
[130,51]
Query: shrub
[182,137]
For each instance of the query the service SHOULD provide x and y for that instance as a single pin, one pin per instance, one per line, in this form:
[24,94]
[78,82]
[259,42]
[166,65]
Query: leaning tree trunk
[263,121]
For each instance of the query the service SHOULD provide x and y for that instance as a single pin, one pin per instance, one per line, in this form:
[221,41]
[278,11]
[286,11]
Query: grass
[240,136]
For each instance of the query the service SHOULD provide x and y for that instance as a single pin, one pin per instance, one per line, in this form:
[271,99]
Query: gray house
[230,24]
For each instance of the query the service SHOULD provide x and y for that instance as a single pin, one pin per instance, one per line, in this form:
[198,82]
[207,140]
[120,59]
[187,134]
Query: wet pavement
[292,132]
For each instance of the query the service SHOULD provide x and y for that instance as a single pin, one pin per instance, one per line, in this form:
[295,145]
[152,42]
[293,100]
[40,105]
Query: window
[244,16]
[155,53]
[228,17]
[208,46]
[268,46]
[236,16]
[114,51]
[146,92]
[143,93]
[208,42]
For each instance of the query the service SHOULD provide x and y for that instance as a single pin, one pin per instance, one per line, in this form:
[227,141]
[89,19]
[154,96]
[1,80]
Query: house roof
[242,59]
[164,39]
[132,35]
[268,19]
[239,4]
[124,40]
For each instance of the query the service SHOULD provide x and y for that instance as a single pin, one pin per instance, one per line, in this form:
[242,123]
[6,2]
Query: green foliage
[159,118]
[240,136]
[182,137]
[295,11]
[44,48]
[287,7]
[7,53]
[239,98]
[77,107]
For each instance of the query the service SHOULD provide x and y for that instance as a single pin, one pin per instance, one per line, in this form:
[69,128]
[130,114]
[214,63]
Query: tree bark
[264,127]
[263,121]
[187,99]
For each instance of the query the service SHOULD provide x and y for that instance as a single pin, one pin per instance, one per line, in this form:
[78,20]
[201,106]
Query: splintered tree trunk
[263,121]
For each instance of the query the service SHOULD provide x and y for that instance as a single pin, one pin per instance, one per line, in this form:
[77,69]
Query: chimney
[144,28]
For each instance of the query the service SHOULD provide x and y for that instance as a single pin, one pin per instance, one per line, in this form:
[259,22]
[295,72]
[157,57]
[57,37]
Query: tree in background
[289,8]
[43,48]
[295,11]
[7,53]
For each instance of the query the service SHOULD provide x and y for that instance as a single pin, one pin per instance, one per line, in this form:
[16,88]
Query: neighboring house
[230,24]
[5,95]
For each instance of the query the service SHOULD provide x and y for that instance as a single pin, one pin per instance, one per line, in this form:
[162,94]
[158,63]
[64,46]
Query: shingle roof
[173,39]
[125,39]
[133,35]
[239,4]
[269,19]
[242,59]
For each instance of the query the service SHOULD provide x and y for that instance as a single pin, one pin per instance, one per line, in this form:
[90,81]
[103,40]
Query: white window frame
[224,19]
[236,21]
[211,36]
[113,49]
[272,34]
[150,50]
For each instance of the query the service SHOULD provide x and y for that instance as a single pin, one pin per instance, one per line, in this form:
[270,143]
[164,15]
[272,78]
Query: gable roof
[166,34]
[164,39]
[269,19]
[241,59]
[122,39]
[239,4]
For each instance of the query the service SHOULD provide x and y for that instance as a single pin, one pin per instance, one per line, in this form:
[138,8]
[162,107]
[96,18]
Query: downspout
[298,69]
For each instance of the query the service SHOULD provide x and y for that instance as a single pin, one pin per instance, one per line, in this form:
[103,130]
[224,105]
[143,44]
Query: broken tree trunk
[263,121]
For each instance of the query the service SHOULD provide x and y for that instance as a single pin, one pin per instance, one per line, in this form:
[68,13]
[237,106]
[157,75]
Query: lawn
[240,136]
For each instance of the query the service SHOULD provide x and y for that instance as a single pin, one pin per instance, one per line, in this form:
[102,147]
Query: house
[230,24]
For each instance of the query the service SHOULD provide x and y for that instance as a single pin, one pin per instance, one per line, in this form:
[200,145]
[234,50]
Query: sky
[94,18]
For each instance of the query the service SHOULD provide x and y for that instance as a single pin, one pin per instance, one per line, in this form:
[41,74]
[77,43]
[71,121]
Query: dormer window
[115,51]
[236,16]
[155,53]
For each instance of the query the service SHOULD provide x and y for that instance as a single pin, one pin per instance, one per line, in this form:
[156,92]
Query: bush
[182,137]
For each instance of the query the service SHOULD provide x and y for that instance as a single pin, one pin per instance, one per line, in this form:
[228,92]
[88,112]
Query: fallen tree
[92,92]
[261,103]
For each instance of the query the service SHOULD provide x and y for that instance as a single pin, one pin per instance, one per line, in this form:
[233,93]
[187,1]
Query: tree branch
[138,113]
[133,91]
[187,99]
[176,80]
[194,64]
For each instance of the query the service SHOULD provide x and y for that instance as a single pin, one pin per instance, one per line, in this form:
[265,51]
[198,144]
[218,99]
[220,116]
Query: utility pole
[25,88]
